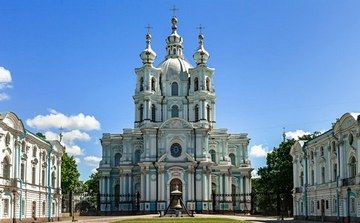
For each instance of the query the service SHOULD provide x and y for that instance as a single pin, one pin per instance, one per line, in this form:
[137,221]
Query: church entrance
[173,183]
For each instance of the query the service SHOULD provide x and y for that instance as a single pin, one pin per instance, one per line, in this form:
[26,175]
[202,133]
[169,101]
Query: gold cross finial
[200,28]
[149,28]
[174,9]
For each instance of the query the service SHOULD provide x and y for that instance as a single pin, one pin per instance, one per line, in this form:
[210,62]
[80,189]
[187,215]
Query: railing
[348,181]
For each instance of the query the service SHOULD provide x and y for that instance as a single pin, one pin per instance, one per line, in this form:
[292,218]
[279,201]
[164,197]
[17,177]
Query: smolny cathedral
[174,142]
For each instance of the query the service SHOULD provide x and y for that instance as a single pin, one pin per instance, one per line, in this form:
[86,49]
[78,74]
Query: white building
[174,140]
[326,173]
[30,173]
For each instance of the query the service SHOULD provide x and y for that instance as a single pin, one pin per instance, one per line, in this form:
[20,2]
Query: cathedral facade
[174,142]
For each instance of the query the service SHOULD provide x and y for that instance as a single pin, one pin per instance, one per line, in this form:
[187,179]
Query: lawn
[180,220]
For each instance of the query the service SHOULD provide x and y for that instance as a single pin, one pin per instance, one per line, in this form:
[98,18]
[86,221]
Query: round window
[175,150]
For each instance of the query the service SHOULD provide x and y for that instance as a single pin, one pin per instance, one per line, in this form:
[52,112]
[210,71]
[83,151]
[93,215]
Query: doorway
[173,183]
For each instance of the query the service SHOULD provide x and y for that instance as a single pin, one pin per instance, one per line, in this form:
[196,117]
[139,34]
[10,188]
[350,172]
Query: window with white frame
[334,205]
[322,174]
[6,207]
[352,205]
[352,167]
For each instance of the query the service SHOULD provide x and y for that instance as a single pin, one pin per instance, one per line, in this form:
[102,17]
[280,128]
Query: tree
[274,187]
[40,135]
[90,201]
[92,185]
[69,174]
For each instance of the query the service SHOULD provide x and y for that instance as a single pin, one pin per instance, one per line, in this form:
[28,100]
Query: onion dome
[148,55]
[201,56]
[174,41]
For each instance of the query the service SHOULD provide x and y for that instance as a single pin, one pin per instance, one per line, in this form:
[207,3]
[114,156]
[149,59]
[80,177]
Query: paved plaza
[254,219]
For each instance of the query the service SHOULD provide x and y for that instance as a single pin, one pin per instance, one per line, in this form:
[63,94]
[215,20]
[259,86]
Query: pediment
[176,123]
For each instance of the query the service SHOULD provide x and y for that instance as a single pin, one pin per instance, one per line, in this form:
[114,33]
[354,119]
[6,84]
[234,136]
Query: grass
[180,220]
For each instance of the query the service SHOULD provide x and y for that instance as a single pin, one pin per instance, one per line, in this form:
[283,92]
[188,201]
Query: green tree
[274,187]
[90,201]
[41,135]
[92,185]
[69,174]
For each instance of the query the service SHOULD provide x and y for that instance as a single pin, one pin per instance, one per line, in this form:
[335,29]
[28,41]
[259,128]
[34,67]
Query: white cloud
[5,82]
[58,120]
[77,160]
[295,134]
[254,174]
[69,139]
[74,150]
[258,151]
[4,96]
[5,77]
[92,160]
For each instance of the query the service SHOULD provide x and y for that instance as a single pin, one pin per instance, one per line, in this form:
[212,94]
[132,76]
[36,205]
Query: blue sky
[292,64]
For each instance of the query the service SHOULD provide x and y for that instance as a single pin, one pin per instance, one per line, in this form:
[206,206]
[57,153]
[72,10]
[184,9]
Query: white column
[162,192]
[190,186]
[209,187]
[204,187]
[147,186]
[130,184]
[142,185]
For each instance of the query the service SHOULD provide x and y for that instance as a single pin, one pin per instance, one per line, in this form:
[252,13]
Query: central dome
[174,66]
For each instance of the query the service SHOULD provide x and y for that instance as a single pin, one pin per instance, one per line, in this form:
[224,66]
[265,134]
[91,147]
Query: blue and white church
[174,142]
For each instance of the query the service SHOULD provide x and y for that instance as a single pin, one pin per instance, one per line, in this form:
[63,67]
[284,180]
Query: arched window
[334,171]
[53,179]
[174,111]
[137,156]
[141,113]
[153,113]
[323,175]
[33,175]
[22,172]
[43,177]
[196,84]
[7,139]
[232,158]
[333,145]
[312,177]
[208,113]
[302,178]
[352,167]
[174,51]
[43,208]
[34,151]
[153,82]
[321,151]
[351,139]
[117,159]
[6,168]
[141,84]
[352,205]
[174,89]
[207,84]
[196,113]
[213,155]
[23,147]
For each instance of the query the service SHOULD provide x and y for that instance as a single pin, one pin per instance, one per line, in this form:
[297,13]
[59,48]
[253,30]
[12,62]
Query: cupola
[201,56]
[148,55]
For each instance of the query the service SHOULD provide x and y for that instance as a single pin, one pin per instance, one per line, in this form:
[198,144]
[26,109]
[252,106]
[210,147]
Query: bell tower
[147,92]
[202,92]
